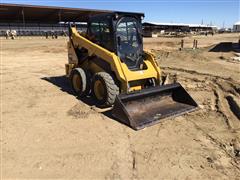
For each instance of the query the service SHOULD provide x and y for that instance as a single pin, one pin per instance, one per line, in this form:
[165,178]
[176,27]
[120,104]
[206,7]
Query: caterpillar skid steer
[108,62]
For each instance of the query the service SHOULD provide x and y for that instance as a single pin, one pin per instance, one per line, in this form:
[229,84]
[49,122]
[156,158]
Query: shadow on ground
[225,47]
[63,84]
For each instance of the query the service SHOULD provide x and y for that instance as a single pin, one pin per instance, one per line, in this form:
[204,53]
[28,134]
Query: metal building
[236,27]
[39,20]
[151,29]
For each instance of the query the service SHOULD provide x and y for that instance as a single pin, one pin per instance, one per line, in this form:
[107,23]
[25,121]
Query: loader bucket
[147,107]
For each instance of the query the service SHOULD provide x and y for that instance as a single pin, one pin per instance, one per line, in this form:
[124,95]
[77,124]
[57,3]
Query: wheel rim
[99,90]
[77,82]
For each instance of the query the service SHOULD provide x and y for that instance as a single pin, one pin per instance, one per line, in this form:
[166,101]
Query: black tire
[111,90]
[78,81]
[89,83]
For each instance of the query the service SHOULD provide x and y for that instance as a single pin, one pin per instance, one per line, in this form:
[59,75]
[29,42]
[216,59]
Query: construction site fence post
[239,41]
[195,44]
[182,45]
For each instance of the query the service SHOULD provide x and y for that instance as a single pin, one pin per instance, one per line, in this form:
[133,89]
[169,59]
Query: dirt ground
[47,132]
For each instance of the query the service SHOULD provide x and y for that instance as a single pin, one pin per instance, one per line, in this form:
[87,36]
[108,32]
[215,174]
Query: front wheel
[104,89]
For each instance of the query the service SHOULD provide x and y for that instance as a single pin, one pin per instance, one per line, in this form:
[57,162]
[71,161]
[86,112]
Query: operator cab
[120,33]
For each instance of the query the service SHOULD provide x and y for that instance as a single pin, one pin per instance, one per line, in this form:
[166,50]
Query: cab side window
[100,33]
[95,31]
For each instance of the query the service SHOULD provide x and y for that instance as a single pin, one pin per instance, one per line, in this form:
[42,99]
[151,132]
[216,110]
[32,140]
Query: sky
[222,13]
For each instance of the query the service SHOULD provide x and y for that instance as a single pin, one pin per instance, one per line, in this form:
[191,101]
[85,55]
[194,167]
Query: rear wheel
[78,81]
[104,89]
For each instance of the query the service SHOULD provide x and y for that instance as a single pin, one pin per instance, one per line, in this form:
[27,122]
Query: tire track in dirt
[219,144]
[233,106]
[222,88]
[225,95]
[132,151]
[195,73]
[125,165]
[218,108]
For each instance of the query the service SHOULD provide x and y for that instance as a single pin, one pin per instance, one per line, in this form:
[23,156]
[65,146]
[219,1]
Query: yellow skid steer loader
[109,63]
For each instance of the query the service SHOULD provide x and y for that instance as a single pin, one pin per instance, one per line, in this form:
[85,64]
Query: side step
[148,106]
